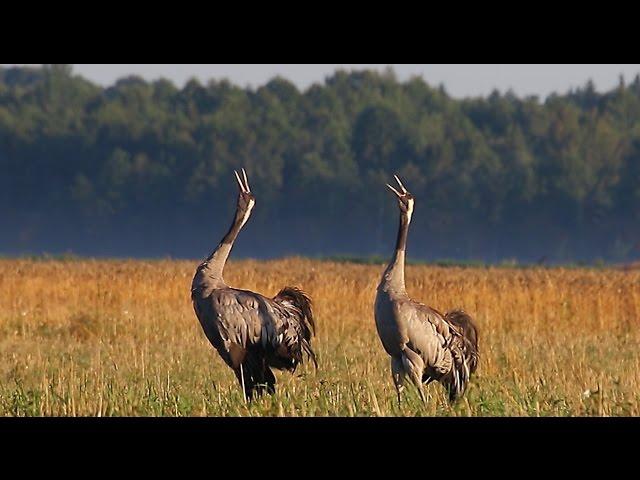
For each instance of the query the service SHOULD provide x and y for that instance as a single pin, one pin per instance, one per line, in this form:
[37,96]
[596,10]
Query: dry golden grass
[120,338]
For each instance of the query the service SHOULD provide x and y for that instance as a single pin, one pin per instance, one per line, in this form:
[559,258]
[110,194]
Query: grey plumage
[424,344]
[251,332]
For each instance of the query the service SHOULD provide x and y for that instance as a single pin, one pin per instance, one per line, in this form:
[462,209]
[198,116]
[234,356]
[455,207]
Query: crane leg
[421,392]
[244,389]
[255,378]
[246,380]
[266,381]
[417,381]
[397,373]
[413,365]
[270,380]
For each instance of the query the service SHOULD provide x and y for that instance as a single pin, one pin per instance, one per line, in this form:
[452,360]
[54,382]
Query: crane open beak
[244,186]
[404,190]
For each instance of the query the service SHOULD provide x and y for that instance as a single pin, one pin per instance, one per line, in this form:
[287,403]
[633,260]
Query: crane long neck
[213,266]
[394,274]
[403,230]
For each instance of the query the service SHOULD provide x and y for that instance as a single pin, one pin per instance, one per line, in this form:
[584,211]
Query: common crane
[251,332]
[424,345]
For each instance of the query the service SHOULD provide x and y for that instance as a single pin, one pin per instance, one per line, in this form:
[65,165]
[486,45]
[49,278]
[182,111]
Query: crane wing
[429,335]
[244,317]
[236,321]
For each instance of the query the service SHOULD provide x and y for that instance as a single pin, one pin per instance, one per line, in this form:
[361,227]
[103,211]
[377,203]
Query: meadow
[120,338]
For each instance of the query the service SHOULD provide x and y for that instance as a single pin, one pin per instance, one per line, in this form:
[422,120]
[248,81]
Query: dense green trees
[144,168]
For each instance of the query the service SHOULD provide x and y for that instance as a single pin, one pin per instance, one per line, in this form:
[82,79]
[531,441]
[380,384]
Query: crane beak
[404,190]
[398,194]
[244,186]
[246,181]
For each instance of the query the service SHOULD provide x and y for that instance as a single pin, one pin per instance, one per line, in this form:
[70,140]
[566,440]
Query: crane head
[405,198]
[246,200]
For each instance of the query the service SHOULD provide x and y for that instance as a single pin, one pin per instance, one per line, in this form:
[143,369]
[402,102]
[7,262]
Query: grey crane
[251,332]
[424,344]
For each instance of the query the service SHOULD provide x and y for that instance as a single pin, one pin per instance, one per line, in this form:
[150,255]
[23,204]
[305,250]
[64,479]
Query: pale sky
[460,80]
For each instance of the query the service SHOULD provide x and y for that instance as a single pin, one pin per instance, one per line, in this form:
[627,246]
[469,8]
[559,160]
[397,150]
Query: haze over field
[144,168]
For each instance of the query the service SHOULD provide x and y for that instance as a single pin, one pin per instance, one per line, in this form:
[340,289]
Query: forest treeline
[145,168]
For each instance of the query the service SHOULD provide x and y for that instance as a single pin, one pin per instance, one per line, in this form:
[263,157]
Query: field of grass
[101,338]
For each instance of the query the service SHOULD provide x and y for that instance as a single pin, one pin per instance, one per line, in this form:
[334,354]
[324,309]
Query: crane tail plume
[465,353]
[299,301]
